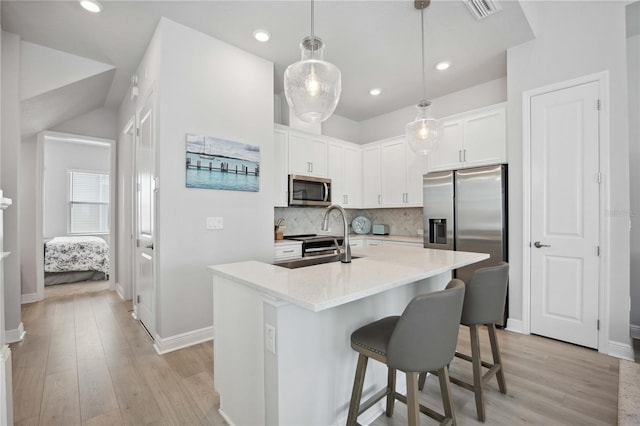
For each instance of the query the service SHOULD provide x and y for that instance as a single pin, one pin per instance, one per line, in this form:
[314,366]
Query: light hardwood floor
[548,383]
[86,361]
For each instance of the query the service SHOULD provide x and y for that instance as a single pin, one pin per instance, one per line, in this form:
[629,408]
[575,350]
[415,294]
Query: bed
[73,259]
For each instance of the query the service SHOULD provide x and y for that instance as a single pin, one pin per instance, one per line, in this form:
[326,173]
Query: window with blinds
[88,203]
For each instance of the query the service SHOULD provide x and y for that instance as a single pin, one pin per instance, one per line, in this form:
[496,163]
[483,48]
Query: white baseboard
[515,325]
[179,341]
[120,291]
[620,350]
[6,393]
[16,335]
[30,298]
[226,418]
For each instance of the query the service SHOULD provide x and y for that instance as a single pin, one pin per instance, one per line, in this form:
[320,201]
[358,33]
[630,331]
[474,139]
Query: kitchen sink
[310,261]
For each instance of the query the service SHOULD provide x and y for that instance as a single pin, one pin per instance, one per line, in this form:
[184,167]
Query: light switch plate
[215,223]
[270,338]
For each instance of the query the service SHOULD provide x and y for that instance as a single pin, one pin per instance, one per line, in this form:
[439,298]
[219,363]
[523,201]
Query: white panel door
[145,217]
[565,214]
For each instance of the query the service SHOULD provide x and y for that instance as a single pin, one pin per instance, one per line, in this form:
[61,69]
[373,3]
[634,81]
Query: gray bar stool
[423,338]
[484,300]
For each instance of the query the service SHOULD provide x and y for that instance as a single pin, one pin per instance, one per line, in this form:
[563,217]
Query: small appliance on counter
[380,229]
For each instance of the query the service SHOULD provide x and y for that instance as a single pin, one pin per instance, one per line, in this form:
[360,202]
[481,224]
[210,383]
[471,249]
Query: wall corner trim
[183,340]
[16,335]
[30,298]
[120,291]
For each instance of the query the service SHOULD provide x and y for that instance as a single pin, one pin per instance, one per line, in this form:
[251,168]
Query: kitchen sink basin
[310,261]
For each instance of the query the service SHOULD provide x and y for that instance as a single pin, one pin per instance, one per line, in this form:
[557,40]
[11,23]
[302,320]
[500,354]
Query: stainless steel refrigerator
[466,210]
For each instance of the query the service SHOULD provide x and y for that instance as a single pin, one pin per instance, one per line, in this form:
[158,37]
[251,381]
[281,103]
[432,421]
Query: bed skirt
[52,278]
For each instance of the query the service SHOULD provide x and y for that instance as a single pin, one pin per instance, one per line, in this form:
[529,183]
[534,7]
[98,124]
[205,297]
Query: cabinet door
[374,243]
[317,156]
[298,162]
[448,153]
[416,167]
[393,172]
[335,172]
[485,138]
[352,183]
[371,177]
[280,174]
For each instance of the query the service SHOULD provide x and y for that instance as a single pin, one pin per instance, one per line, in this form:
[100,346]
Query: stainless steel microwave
[309,191]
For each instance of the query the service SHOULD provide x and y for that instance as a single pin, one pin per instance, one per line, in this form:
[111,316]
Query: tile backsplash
[307,220]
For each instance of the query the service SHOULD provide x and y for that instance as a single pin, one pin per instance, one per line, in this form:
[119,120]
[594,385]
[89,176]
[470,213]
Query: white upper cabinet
[344,168]
[307,154]
[371,196]
[280,175]
[472,139]
[392,174]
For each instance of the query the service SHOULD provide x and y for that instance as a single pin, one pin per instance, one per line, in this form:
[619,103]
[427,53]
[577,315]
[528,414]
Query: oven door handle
[326,192]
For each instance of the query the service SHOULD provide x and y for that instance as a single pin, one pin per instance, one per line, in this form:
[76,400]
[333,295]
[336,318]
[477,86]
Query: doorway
[74,193]
[564,290]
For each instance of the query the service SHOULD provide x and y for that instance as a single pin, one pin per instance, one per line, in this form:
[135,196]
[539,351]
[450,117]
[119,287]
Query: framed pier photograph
[213,163]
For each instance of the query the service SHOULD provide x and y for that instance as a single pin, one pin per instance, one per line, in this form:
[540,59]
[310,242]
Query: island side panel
[315,362]
[238,363]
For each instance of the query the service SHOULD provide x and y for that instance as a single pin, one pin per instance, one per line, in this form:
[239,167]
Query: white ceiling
[374,43]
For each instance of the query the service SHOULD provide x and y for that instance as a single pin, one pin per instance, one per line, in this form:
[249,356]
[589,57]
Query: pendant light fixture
[312,86]
[424,132]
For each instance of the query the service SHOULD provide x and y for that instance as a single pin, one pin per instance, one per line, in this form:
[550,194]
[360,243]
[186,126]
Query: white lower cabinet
[287,250]
[373,243]
[402,243]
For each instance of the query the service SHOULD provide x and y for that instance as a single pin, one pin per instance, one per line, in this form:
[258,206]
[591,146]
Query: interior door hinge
[598,250]
[599,177]
[598,105]
[138,299]
[138,130]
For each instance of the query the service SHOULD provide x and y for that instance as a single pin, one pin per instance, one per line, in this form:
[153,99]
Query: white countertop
[328,285]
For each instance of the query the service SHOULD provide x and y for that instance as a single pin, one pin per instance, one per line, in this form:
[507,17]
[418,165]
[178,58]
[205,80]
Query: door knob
[538,244]
[149,246]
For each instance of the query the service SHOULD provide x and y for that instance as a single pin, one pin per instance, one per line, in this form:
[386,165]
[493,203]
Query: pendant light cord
[424,79]
[313,39]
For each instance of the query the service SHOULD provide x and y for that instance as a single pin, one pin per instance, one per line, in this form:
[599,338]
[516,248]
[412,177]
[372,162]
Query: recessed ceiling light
[441,66]
[91,5]
[375,92]
[261,35]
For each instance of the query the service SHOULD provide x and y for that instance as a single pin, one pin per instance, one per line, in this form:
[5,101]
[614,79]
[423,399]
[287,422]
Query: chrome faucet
[345,250]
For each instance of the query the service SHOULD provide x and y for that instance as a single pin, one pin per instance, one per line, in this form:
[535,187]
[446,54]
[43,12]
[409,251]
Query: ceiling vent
[481,9]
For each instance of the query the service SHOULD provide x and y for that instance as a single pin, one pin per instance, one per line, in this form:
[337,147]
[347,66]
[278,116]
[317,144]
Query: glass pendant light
[424,132]
[312,86]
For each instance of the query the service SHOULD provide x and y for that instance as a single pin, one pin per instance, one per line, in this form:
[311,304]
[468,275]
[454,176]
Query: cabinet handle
[308,166]
[287,251]
[379,202]
[464,155]
[347,199]
[311,167]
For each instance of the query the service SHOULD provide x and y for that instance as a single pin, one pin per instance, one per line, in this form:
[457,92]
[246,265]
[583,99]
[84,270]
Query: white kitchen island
[303,375]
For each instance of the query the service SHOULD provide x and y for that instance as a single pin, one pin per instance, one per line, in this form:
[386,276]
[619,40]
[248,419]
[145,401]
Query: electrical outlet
[215,223]
[270,338]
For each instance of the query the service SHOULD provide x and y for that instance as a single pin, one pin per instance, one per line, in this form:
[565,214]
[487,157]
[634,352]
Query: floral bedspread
[64,254]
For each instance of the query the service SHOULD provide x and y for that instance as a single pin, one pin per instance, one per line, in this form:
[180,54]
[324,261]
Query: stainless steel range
[317,245]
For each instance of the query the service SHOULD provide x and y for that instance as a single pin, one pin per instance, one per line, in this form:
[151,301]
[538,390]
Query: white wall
[575,39]
[343,128]
[633,77]
[27,198]
[10,166]
[226,93]
[60,157]
[393,123]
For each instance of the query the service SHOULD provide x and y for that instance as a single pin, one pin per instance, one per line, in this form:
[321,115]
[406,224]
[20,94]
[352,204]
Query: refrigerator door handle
[538,244]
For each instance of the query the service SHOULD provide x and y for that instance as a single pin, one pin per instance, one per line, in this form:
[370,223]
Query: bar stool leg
[356,393]
[391,388]
[497,359]
[445,390]
[477,371]
[421,380]
[413,406]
